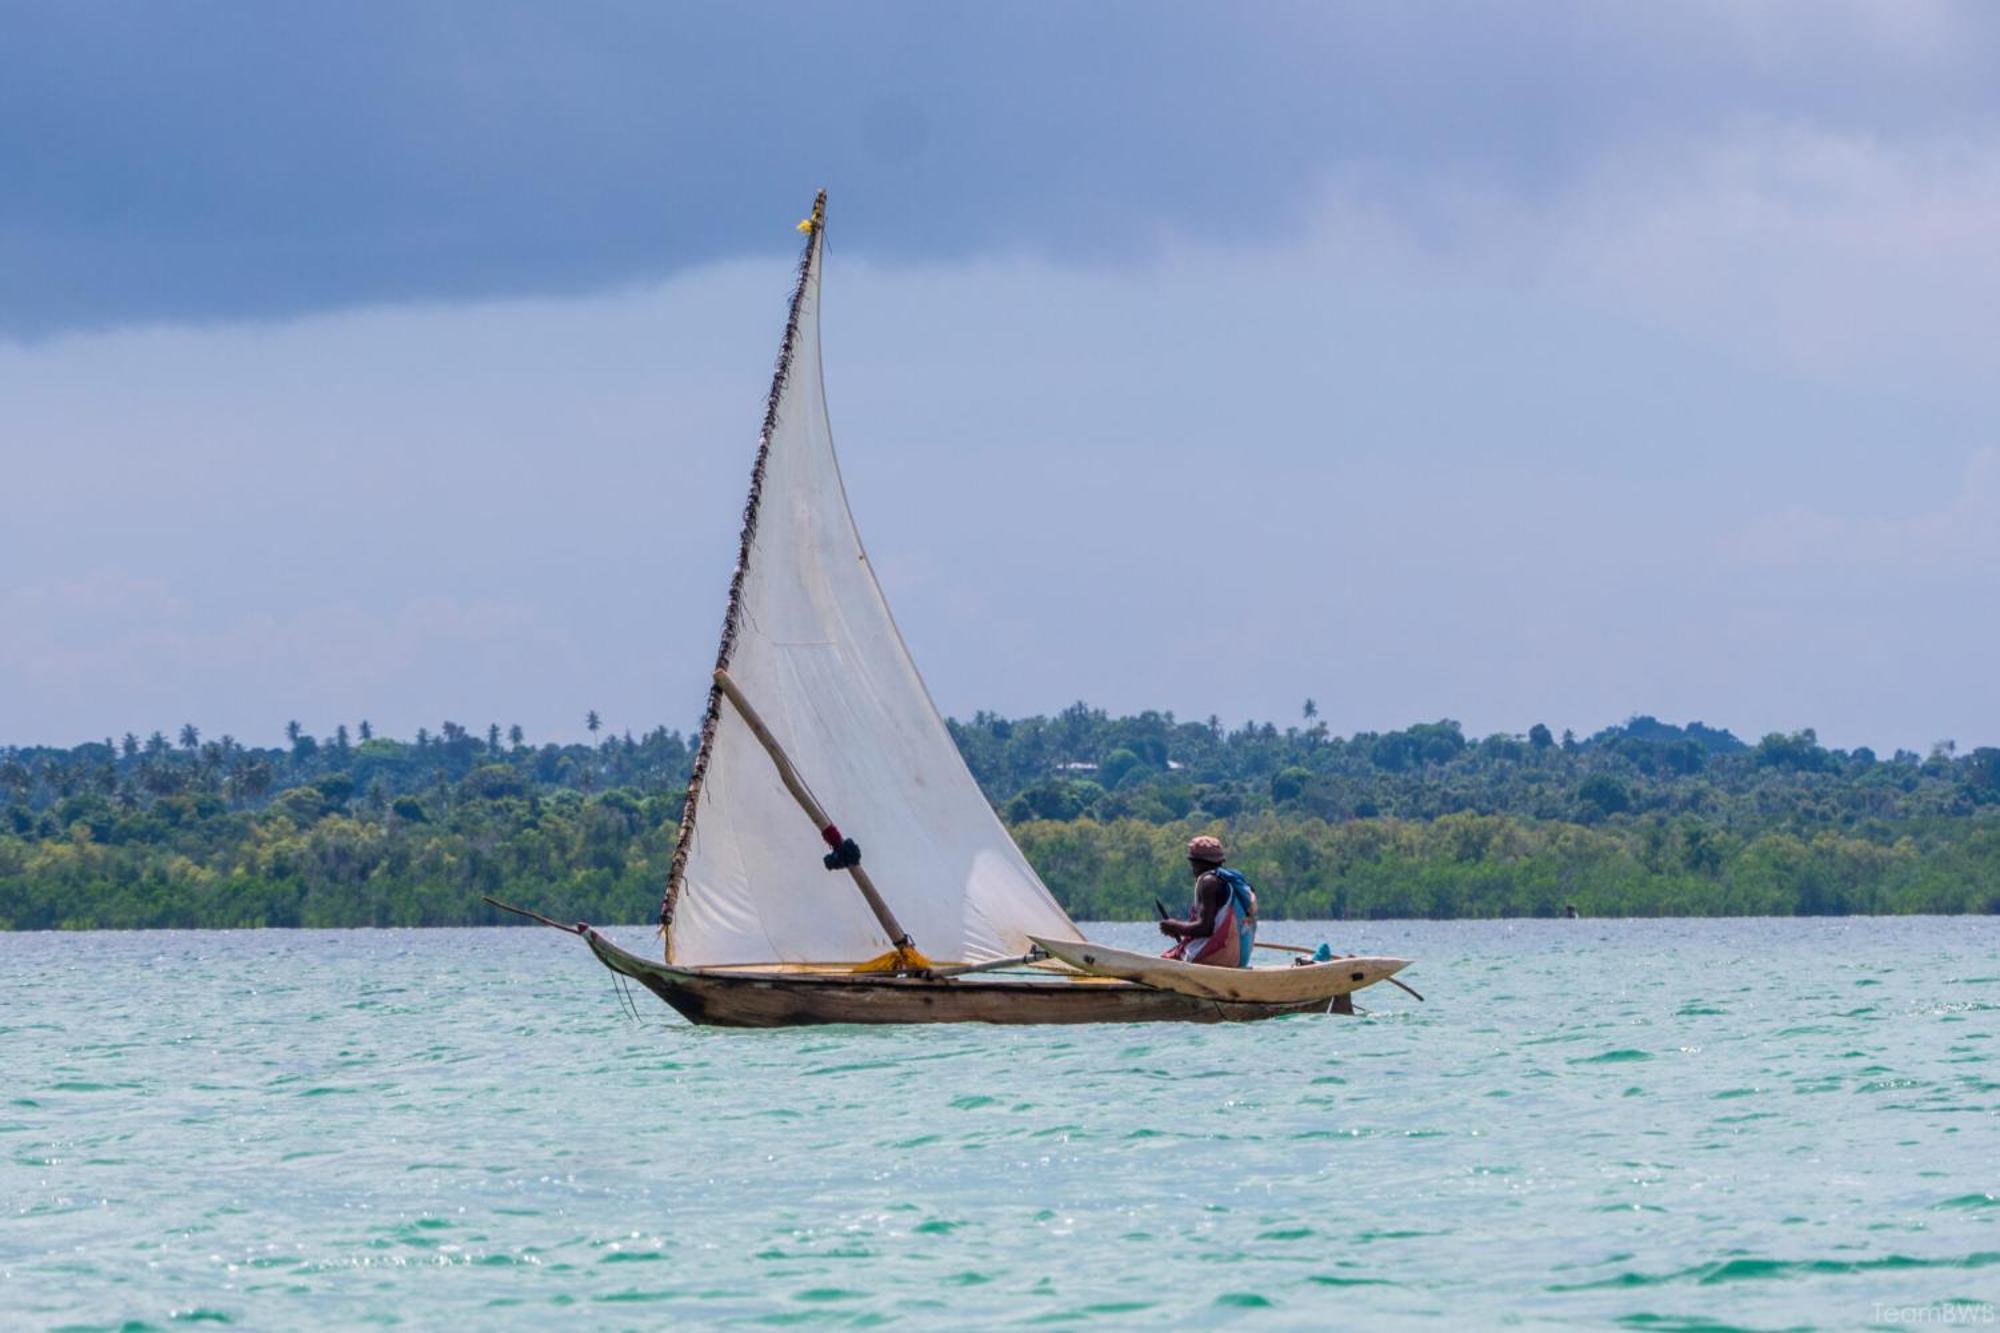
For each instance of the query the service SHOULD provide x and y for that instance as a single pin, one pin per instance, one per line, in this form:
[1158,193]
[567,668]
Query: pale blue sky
[1430,360]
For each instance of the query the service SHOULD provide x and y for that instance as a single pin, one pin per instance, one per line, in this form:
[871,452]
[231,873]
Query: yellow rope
[896,960]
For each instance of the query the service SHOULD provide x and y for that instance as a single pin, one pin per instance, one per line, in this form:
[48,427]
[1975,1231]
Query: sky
[1510,364]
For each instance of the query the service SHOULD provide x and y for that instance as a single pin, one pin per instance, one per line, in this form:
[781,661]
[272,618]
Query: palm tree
[515,735]
[367,732]
[592,722]
[190,737]
[212,756]
[292,730]
[257,778]
[130,746]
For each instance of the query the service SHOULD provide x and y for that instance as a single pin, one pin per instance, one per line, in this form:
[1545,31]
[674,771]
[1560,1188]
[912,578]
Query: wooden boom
[794,784]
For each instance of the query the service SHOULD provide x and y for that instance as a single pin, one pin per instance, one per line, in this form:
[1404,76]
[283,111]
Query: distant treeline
[1641,819]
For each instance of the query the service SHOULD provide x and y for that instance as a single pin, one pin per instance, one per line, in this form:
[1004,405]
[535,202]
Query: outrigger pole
[905,957]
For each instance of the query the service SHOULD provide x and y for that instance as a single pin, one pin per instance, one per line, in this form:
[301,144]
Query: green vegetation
[1641,819]
[347,831]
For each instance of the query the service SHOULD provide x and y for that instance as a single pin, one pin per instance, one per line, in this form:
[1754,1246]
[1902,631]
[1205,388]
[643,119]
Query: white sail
[813,647]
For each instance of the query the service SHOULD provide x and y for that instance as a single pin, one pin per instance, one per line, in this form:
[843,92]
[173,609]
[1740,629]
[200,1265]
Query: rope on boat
[625,996]
[626,1004]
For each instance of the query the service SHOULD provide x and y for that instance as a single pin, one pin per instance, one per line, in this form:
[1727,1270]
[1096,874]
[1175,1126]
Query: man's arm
[1210,895]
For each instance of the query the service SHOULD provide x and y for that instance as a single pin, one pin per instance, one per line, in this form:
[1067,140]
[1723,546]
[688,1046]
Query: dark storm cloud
[202,161]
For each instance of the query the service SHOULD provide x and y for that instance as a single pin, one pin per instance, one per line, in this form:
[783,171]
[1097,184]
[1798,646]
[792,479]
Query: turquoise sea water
[1657,1124]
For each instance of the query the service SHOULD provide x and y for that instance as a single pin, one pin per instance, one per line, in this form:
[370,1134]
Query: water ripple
[1649,1124]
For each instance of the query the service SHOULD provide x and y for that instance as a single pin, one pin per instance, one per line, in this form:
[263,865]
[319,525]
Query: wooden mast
[905,955]
[733,615]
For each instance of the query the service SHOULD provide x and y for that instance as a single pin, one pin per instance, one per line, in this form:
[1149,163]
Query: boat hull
[737,998]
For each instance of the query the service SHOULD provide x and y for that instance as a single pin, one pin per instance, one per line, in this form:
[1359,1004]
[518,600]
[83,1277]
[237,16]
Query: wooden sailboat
[773,915]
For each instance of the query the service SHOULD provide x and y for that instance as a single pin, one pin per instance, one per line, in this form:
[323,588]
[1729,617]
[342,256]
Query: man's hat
[1206,849]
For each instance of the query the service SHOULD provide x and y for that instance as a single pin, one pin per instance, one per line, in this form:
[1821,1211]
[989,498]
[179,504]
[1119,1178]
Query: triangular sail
[810,641]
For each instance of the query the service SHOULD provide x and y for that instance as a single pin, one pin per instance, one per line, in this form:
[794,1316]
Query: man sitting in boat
[1223,927]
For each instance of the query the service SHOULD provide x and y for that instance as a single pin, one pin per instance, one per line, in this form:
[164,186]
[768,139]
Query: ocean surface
[1653,1124]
